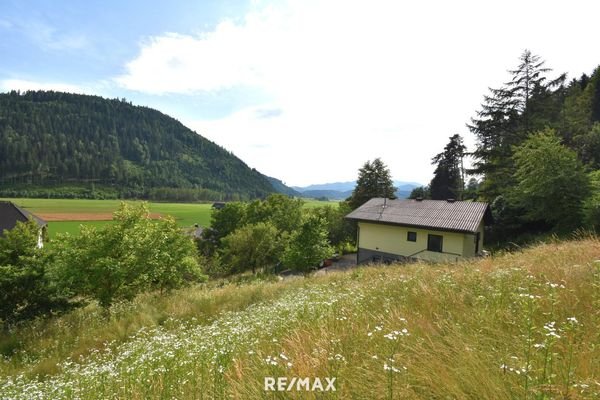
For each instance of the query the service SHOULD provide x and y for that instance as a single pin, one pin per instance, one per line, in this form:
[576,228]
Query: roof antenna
[381,183]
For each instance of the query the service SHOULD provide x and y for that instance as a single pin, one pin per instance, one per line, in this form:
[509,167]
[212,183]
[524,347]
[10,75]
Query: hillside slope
[282,188]
[522,325]
[53,138]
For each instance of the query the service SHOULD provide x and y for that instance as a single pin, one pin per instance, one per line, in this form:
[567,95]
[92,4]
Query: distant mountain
[336,186]
[280,187]
[330,194]
[403,194]
[406,185]
[342,190]
[52,140]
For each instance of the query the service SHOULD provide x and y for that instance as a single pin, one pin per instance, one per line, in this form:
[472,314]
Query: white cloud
[355,80]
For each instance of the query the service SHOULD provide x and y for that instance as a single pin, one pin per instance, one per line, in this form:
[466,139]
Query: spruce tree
[374,180]
[596,96]
[506,119]
[448,179]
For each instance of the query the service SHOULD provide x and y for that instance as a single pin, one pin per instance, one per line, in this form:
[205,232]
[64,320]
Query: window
[435,243]
[411,236]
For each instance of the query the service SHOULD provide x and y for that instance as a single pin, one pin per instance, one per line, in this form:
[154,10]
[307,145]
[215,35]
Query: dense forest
[537,154]
[56,144]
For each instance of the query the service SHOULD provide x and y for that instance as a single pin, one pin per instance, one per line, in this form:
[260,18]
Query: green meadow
[521,325]
[72,227]
[186,214]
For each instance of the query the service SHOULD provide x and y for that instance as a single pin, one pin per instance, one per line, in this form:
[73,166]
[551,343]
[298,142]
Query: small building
[432,230]
[10,214]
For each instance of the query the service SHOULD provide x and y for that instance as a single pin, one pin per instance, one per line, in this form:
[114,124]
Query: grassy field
[72,227]
[186,214]
[516,326]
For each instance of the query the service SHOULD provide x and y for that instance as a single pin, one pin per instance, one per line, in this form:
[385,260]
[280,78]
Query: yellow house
[433,230]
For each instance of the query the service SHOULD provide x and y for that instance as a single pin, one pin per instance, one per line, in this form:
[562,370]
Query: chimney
[450,200]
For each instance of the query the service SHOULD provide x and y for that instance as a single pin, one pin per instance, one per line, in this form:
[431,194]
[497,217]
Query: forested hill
[53,140]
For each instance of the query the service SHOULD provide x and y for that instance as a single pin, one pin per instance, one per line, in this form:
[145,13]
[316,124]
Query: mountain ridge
[53,139]
[342,190]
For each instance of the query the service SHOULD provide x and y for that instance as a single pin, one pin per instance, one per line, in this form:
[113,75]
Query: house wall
[469,248]
[392,239]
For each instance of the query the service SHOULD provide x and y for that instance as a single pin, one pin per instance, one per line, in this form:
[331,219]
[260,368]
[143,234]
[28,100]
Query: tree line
[50,141]
[274,234]
[537,154]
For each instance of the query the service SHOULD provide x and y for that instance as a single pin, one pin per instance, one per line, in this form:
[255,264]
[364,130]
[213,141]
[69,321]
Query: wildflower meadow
[522,325]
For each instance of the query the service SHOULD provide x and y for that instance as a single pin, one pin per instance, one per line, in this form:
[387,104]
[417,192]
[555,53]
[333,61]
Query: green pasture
[72,227]
[312,203]
[186,214]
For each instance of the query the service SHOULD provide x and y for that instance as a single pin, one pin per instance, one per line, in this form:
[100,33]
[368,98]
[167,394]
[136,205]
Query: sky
[305,91]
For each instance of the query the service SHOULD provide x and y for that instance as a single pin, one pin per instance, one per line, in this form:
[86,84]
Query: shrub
[125,258]
[307,246]
[25,290]
[252,246]
[591,206]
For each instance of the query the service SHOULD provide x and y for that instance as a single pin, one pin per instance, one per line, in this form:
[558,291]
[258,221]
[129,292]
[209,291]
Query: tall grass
[522,325]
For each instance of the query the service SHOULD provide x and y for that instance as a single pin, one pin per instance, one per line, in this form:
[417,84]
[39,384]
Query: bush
[25,290]
[252,246]
[284,212]
[123,259]
[551,184]
[308,246]
[339,229]
[591,206]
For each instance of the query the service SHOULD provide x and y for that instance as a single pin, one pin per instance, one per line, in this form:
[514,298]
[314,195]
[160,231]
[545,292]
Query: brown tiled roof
[460,216]
[10,214]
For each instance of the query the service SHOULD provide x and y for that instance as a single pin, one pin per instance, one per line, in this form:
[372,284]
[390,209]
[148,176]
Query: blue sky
[302,90]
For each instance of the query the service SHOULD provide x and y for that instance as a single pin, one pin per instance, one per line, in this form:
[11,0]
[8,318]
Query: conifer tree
[448,179]
[374,180]
[505,121]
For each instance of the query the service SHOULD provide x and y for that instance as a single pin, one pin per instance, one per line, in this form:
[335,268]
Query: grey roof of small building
[10,214]
[459,216]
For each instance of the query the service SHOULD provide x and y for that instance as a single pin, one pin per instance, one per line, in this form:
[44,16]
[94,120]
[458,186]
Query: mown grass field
[186,214]
[516,326]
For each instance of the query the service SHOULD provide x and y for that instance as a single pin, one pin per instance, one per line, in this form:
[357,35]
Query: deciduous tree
[308,246]
[131,255]
[421,192]
[591,208]
[252,246]
[284,212]
[25,289]
[551,184]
